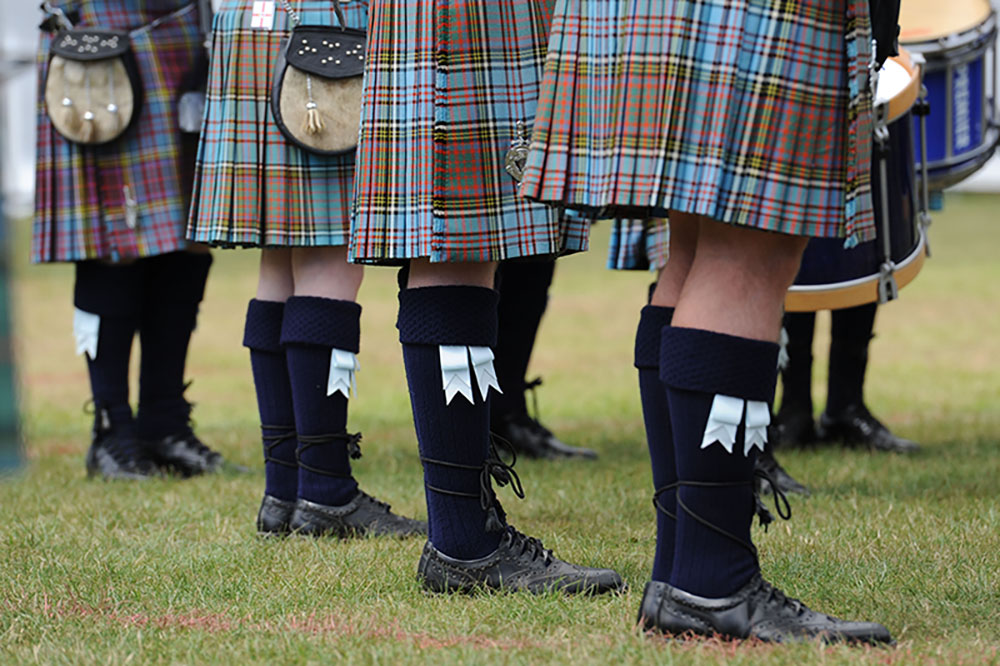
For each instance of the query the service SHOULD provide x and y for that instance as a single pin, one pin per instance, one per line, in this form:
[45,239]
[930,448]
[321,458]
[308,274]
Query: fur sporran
[92,89]
[316,95]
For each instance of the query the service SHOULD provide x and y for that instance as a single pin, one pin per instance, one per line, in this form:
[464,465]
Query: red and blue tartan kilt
[751,112]
[450,87]
[81,191]
[639,245]
[253,187]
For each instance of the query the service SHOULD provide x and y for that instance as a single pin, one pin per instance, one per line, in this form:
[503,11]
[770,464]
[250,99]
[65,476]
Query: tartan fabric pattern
[253,187]
[751,112]
[639,245]
[447,84]
[80,193]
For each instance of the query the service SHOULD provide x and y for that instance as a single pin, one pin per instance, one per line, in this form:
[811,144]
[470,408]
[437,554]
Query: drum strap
[885,28]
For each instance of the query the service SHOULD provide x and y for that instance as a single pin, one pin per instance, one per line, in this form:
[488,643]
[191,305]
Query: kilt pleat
[450,87]
[637,244]
[253,187]
[81,191]
[751,112]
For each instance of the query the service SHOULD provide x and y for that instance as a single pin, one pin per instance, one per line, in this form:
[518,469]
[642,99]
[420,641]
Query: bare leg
[324,272]
[274,282]
[737,282]
[423,273]
[683,241]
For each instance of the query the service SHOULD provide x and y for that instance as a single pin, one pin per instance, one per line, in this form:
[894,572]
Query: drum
[957,39]
[831,277]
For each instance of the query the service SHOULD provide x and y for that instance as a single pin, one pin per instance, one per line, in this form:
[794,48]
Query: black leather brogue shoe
[520,563]
[362,516]
[115,453]
[531,439]
[758,610]
[274,516]
[185,455]
[112,458]
[794,429]
[856,426]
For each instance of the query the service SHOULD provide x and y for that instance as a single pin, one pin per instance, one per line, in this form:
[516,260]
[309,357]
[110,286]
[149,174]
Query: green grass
[172,572]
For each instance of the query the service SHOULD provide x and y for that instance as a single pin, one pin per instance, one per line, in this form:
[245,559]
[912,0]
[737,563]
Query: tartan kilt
[639,245]
[751,112]
[253,187]
[81,191]
[450,87]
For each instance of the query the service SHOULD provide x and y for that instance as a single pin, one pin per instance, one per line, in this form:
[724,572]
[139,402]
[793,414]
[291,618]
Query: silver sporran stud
[517,156]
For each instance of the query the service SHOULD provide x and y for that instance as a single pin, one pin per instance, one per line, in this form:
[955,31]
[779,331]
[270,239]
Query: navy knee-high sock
[659,435]
[850,335]
[173,290]
[715,484]
[796,376]
[113,293]
[453,438]
[524,295]
[313,327]
[262,336]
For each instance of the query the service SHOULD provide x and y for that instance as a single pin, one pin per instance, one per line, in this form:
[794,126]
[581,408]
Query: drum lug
[925,224]
[888,290]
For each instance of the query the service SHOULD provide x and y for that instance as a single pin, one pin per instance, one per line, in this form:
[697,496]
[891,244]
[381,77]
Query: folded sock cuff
[262,330]
[647,336]
[709,362]
[323,322]
[109,290]
[454,315]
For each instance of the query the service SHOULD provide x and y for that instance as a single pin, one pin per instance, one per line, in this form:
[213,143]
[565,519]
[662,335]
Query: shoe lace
[773,594]
[526,545]
[533,418]
[494,468]
[351,440]
[379,504]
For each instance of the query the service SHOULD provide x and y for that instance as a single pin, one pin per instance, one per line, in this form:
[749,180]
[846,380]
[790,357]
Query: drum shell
[961,133]
[827,263]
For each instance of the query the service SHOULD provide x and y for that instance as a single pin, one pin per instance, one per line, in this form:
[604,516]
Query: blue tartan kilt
[253,187]
[451,87]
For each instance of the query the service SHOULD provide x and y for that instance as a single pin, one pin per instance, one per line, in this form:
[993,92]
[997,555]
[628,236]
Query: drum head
[898,85]
[928,20]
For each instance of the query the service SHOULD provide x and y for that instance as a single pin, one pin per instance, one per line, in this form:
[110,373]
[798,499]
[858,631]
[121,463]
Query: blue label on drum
[966,90]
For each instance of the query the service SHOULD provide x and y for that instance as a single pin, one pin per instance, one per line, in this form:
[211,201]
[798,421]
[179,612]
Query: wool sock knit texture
[457,433]
[262,336]
[850,336]
[312,327]
[174,285]
[659,436]
[524,296]
[696,365]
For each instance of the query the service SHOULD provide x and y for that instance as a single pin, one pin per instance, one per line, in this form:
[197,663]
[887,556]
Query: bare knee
[325,272]
[424,273]
[275,278]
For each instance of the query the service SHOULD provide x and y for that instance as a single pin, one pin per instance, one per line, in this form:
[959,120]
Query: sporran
[316,94]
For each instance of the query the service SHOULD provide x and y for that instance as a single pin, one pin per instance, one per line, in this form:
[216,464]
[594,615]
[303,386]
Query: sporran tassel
[69,116]
[314,121]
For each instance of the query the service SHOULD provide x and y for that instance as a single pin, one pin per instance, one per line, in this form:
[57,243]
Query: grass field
[171,571]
